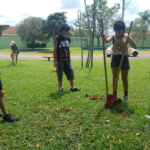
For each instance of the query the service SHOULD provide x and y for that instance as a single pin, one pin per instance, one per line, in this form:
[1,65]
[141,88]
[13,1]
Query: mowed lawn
[73,51]
[52,121]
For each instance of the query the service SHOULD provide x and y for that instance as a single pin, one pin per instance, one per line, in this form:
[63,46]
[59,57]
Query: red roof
[10,30]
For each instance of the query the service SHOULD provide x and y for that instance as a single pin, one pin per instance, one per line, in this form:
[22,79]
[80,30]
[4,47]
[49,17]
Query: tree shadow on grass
[99,113]
[10,65]
[56,95]
[89,72]
[94,78]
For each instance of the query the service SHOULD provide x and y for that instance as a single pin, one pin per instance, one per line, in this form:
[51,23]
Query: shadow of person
[123,109]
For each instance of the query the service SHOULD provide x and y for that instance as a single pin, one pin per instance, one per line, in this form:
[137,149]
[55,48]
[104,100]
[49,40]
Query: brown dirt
[94,97]
[66,110]
[110,106]
[122,112]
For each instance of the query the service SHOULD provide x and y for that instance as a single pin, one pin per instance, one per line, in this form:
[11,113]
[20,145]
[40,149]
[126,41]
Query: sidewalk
[40,56]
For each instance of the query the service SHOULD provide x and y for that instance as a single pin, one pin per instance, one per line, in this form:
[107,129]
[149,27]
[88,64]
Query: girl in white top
[119,39]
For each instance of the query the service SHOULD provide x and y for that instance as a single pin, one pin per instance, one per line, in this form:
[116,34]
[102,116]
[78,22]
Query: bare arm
[107,40]
[131,42]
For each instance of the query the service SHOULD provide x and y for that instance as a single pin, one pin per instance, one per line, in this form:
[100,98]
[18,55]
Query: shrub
[43,45]
[30,45]
[37,44]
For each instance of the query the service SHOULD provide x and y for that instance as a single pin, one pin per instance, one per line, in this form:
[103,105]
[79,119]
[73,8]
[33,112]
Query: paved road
[31,56]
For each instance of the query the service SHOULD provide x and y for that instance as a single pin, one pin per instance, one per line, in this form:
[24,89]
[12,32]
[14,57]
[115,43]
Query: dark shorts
[15,51]
[65,66]
[115,62]
[1,87]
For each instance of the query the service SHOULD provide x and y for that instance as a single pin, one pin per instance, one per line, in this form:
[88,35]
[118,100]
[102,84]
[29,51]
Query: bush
[37,44]
[43,45]
[29,45]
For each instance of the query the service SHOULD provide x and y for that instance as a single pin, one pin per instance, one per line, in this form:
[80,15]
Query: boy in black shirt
[6,117]
[62,57]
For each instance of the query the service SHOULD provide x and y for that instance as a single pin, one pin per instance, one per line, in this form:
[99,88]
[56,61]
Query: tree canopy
[29,30]
[53,22]
[141,27]
[102,11]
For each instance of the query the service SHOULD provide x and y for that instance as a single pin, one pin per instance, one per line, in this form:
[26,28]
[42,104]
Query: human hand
[102,35]
[55,64]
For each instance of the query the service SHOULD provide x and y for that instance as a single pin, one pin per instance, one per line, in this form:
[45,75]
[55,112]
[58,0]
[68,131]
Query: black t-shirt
[63,51]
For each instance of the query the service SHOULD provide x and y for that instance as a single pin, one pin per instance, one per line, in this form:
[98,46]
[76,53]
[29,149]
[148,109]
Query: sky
[12,12]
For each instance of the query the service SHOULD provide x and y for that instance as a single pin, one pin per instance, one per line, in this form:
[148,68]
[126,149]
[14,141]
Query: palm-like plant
[145,16]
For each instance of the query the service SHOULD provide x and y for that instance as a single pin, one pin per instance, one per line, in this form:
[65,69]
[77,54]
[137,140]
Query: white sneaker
[125,99]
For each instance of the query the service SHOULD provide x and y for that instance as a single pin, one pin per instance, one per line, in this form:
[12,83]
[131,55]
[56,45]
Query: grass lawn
[31,94]
[73,51]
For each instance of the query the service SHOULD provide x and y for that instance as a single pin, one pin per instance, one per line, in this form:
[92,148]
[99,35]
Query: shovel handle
[106,82]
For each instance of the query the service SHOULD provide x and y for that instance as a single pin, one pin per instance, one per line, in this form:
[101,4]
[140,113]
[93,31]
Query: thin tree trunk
[98,41]
[33,46]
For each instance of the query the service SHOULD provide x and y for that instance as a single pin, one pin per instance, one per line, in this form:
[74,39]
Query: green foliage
[108,15]
[84,33]
[43,45]
[141,27]
[70,34]
[53,22]
[29,30]
[31,94]
[145,16]
[36,45]
[29,44]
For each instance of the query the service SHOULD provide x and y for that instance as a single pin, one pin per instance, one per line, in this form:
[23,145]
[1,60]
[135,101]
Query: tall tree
[139,31]
[145,16]
[141,26]
[53,22]
[102,12]
[29,30]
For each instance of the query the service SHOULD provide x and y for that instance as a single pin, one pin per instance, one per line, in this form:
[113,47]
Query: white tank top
[119,45]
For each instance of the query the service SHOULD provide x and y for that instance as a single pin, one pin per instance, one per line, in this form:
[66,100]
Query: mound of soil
[94,97]
[122,112]
[116,102]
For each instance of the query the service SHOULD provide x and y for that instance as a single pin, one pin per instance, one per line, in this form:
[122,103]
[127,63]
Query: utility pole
[123,8]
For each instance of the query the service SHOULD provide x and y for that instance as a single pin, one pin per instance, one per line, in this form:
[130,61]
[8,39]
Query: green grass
[31,94]
[73,50]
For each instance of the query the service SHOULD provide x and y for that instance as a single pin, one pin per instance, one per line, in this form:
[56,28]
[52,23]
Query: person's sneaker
[125,99]
[1,115]
[74,89]
[61,90]
[10,118]
[115,98]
